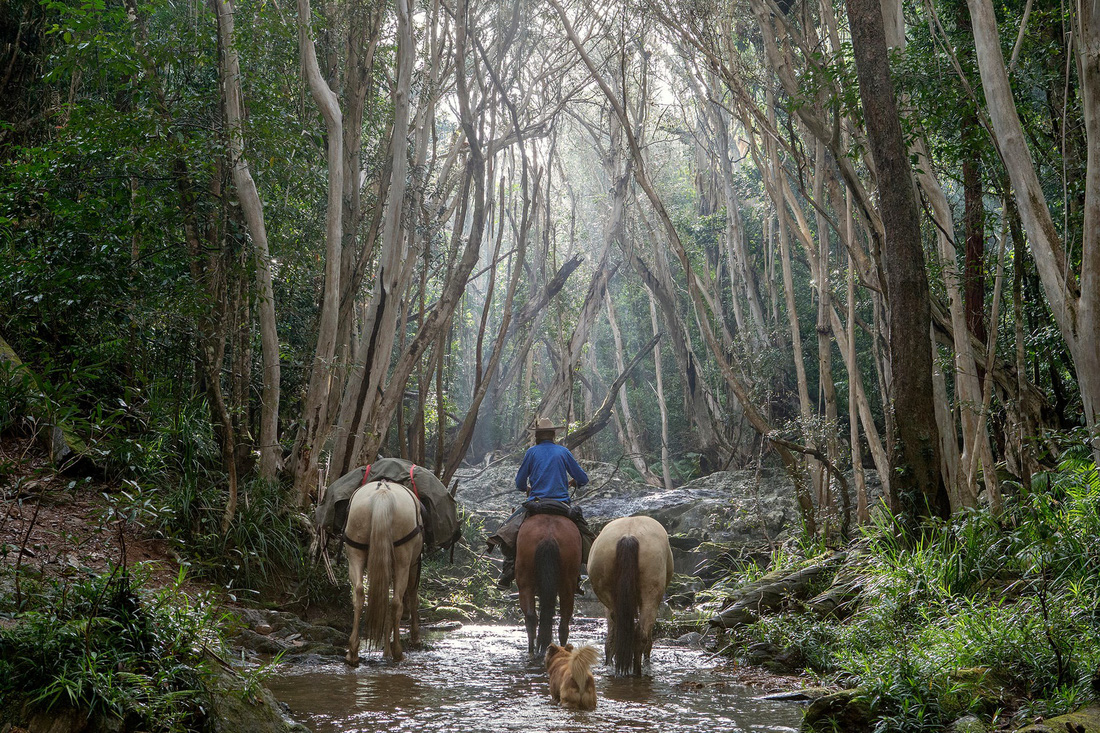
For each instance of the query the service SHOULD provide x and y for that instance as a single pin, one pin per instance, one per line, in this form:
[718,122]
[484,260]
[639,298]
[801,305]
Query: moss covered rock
[1085,720]
[842,710]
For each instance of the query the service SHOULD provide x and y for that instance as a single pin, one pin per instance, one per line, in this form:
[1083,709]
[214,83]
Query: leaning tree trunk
[1074,305]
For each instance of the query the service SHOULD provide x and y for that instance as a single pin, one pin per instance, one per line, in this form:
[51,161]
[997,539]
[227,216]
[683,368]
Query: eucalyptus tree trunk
[252,207]
[373,353]
[384,400]
[1074,301]
[827,389]
[314,418]
[617,167]
[485,377]
[659,393]
[631,443]
[918,484]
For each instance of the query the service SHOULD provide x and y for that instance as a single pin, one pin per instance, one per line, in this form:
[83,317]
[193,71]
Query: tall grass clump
[103,647]
[986,615]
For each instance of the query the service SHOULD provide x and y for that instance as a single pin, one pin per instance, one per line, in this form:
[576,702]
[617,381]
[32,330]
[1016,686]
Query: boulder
[240,710]
[968,724]
[727,512]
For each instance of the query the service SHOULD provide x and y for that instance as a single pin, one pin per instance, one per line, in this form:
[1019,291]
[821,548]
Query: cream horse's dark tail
[380,569]
[627,602]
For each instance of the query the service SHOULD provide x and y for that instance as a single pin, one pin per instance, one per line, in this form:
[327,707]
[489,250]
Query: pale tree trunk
[666,474]
[968,391]
[382,405]
[696,393]
[631,442]
[314,418]
[252,207]
[863,513]
[824,343]
[485,379]
[374,351]
[560,388]
[735,236]
[1075,307]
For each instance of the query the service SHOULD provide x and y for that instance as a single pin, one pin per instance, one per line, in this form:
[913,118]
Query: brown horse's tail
[547,571]
[379,567]
[626,605]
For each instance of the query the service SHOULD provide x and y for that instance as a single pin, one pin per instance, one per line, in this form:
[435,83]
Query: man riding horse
[547,471]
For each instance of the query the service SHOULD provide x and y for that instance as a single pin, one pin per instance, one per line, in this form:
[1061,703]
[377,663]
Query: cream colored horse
[384,535]
[629,566]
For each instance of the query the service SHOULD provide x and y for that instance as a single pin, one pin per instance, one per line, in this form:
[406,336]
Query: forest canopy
[263,242]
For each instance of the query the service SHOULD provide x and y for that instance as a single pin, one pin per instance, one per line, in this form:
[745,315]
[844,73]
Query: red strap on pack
[412,480]
[366,474]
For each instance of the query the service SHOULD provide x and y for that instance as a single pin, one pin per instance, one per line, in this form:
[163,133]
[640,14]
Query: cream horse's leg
[412,602]
[647,616]
[403,567]
[356,561]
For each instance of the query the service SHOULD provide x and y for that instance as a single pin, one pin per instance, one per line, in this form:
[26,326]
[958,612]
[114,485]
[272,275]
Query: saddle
[548,506]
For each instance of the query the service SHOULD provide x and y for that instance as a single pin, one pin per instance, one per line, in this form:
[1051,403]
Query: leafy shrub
[99,646]
[974,616]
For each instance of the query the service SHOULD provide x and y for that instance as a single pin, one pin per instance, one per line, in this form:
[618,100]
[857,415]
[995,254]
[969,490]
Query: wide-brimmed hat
[545,424]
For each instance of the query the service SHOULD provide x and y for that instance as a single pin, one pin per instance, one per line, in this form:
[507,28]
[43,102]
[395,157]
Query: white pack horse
[384,535]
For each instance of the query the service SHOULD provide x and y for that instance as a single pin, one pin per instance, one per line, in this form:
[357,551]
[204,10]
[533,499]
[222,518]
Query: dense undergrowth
[994,616]
[108,648]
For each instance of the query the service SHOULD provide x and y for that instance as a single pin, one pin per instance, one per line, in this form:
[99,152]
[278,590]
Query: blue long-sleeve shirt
[547,467]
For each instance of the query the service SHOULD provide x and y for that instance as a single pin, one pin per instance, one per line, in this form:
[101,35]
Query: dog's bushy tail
[582,661]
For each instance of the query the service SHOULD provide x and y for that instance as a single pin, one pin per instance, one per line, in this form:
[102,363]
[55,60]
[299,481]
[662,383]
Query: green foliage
[104,646]
[976,616]
[469,582]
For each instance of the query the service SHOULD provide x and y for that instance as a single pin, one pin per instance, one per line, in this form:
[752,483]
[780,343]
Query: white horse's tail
[379,566]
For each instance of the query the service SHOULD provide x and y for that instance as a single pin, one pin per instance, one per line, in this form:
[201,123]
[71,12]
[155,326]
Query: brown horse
[629,566]
[383,534]
[548,561]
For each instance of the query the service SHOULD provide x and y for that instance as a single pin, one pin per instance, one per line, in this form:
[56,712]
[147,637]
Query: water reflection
[478,679]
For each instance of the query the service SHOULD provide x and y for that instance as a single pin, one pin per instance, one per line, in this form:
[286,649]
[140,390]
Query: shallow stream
[478,679]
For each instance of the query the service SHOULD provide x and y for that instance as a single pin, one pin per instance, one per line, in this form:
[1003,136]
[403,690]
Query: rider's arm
[575,469]
[523,473]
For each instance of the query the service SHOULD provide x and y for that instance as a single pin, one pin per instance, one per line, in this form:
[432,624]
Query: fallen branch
[603,415]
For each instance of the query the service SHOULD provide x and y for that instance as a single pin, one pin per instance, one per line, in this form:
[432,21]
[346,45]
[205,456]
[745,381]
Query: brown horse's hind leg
[530,616]
[565,598]
[355,575]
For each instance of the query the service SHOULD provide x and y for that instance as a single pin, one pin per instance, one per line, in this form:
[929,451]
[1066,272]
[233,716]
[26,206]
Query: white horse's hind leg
[404,569]
[356,560]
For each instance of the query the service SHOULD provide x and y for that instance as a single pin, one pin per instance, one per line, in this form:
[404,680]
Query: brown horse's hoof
[352,662]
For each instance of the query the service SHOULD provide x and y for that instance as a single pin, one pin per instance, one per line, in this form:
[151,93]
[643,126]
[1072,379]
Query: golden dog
[571,682]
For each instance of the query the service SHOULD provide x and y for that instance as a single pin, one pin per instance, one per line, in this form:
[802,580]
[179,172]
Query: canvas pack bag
[438,507]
